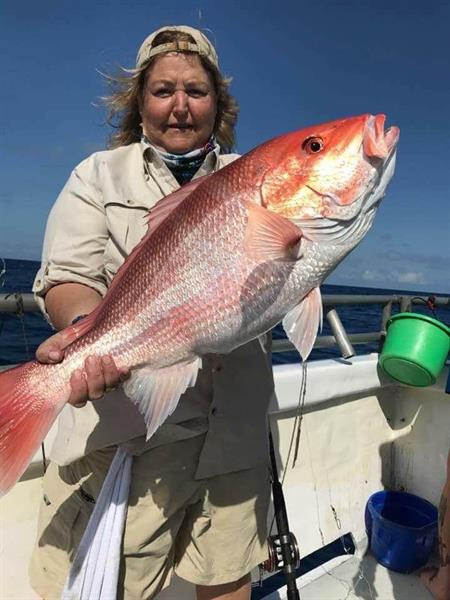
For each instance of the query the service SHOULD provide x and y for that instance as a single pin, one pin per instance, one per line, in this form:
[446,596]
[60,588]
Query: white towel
[95,569]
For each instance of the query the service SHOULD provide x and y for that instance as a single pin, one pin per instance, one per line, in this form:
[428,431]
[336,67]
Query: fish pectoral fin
[302,323]
[270,236]
[156,391]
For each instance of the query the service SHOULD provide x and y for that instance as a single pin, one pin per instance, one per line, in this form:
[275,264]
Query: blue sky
[293,63]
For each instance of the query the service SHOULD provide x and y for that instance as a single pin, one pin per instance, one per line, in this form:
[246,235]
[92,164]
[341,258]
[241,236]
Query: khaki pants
[208,531]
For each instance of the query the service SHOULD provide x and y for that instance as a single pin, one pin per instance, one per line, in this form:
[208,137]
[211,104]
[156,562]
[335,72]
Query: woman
[199,491]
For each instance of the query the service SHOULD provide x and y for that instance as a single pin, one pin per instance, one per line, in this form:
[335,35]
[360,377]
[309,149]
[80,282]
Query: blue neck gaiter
[184,166]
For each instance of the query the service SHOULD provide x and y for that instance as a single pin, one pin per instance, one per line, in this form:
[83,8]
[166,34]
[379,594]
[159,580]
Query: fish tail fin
[25,419]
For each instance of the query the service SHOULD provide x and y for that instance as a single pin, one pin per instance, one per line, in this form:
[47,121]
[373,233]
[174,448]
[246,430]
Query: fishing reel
[275,560]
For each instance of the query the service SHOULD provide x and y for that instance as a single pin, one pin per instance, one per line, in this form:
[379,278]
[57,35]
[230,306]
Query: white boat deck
[356,579]
[359,434]
[343,578]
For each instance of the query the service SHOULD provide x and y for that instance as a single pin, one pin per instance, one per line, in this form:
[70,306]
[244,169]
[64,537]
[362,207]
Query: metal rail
[18,303]
[9,302]
[329,341]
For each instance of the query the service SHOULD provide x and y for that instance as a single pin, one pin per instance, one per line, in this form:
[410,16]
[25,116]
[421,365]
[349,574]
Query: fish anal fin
[156,391]
[270,236]
[302,323]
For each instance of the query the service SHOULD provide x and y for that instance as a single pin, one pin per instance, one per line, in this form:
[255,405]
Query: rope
[430,303]
[20,314]
[299,415]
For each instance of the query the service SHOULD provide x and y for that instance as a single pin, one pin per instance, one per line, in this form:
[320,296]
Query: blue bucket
[402,529]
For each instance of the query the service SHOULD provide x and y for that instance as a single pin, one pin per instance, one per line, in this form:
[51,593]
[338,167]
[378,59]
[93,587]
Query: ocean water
[21,335]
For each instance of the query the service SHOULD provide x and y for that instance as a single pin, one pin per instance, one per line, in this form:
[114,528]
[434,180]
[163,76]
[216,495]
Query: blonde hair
[127,90]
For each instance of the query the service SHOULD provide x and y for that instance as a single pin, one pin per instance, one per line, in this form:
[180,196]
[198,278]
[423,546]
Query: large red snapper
[225,258]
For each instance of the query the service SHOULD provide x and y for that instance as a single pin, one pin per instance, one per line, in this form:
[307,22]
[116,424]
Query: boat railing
[21,303]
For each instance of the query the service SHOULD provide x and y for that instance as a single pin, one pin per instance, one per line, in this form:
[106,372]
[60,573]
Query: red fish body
[225,258]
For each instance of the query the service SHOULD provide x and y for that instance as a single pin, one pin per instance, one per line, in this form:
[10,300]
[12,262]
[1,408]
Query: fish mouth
[378,149]
[378,143]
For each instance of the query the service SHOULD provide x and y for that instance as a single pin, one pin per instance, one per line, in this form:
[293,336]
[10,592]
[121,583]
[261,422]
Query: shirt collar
[149,155]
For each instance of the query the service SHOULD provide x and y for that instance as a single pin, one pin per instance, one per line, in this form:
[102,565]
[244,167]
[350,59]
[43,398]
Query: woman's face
[179,106]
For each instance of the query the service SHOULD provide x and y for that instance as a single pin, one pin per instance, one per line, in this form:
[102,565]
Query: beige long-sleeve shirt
[95,223]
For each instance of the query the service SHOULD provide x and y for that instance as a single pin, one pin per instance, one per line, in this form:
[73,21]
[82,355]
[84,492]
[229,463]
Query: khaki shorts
[208,531]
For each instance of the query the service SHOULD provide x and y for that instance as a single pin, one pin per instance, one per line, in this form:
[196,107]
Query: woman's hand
[100,374]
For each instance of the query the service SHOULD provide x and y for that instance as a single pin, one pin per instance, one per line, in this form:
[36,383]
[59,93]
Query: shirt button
[129,201]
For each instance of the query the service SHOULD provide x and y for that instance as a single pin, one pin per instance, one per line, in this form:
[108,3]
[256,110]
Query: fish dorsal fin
[270,236]
[167,205]
[156,391]
[156,216]
[302,323]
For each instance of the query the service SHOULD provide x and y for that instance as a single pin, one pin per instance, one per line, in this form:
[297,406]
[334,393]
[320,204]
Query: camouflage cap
[201,45]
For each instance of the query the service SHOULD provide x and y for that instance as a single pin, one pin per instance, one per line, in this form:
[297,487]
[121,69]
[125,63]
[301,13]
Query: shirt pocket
[60,510]
[126,223]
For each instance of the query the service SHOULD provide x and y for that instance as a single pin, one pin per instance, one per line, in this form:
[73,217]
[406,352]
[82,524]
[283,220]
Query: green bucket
[415,348]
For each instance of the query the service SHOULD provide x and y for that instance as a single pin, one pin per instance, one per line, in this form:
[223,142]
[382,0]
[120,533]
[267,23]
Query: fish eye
[312,145]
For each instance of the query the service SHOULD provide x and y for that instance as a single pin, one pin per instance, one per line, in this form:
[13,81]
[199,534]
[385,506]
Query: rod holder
[340,334]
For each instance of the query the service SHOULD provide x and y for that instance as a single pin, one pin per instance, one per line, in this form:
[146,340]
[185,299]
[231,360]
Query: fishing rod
[283,549]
